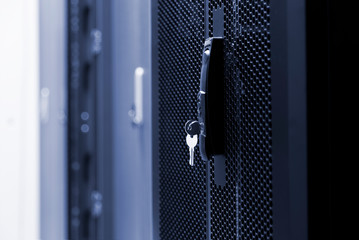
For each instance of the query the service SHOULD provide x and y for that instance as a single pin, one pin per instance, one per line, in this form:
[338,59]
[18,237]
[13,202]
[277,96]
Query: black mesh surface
[242,209]
[182,187]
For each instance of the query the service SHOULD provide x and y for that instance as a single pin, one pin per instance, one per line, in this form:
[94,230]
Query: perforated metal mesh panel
[182,187]
[242,209]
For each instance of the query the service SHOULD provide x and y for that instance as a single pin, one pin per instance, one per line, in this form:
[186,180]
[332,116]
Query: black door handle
[211,102]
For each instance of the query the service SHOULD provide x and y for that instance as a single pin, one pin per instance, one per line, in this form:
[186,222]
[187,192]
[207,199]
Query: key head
[191,141]
[192,127]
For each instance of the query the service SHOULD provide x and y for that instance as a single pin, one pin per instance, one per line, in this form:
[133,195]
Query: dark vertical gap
[85,16]
[343,100]
[86,228]
[95,183]
[81,97]
[86,170]
[86,76]
[208,170]
[318,105]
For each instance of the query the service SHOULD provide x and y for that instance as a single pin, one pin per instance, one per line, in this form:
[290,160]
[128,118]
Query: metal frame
[155,123]
[105,123]
[288,52]
[53,174]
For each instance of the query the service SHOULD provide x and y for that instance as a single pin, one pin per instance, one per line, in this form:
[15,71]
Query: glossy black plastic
[211,99]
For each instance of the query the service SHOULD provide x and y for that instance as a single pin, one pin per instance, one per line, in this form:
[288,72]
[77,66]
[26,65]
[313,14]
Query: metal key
[191,143]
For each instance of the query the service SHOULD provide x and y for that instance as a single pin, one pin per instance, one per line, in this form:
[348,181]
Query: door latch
[210,102]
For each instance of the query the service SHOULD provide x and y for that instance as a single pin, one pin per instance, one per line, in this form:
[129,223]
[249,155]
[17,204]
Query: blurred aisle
[19,120]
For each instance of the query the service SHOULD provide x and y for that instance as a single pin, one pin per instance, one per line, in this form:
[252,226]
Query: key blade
[191,156]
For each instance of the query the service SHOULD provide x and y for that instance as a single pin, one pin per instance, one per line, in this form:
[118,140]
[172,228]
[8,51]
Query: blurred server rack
[89,121]
[109,150]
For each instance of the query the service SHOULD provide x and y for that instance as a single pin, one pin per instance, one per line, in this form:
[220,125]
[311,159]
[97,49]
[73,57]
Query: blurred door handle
[44,105]
[136,113]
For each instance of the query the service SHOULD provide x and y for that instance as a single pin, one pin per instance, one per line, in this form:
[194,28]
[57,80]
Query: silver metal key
[191,143]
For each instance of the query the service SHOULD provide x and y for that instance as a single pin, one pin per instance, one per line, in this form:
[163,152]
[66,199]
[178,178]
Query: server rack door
[189,201]
[132,119]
